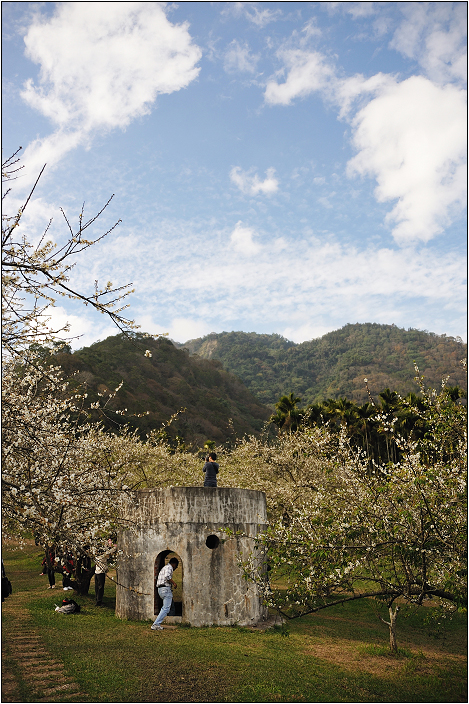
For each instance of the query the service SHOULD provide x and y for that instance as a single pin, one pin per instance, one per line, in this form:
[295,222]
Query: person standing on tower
[211,468]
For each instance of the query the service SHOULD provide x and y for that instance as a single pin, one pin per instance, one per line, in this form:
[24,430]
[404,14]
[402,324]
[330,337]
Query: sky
[277,167]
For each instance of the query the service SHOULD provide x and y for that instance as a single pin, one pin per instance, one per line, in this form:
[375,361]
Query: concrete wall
[180,519]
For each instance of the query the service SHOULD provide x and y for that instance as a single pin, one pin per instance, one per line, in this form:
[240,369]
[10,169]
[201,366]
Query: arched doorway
[162,559]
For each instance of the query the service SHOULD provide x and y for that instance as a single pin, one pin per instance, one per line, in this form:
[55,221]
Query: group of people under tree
[77,572]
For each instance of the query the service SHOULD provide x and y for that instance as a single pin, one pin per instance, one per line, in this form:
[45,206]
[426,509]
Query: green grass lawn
[338,655]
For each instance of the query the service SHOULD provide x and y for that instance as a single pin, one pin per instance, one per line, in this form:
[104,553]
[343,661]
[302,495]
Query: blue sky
[277,166]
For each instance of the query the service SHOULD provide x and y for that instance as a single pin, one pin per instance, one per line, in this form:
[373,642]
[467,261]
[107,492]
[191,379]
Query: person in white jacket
[100,572]
[164,583]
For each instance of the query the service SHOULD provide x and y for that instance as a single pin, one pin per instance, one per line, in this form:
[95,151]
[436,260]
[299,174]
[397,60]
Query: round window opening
[212,542]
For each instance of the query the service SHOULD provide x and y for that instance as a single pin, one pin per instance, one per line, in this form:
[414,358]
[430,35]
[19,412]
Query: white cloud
[308,71]
[303,286]
[36,218]
[249,183]
[324,200]
[102,64]
[239,59]
[314,273]
[412,139]
[350,93]
[279,244]
[83,329]
[183,329]
[262,17]
[179,329]
[409,136]
[307,331]
[359,9]
[435,34]
[242,240]
[251,12]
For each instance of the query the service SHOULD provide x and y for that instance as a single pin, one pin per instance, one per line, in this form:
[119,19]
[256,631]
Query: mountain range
[336,364]
[229,382]
[217,404]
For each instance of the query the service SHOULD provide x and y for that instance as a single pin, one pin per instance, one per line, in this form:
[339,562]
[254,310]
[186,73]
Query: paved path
[26,662]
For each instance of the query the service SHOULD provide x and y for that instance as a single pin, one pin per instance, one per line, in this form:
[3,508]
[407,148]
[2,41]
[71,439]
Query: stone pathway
[25,659]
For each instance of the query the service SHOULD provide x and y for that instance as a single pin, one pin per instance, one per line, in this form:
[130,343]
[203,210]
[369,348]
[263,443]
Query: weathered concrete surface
[180,519]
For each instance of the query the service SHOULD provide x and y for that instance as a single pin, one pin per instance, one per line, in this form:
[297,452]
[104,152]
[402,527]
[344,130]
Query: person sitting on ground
[164,583]
[211,470]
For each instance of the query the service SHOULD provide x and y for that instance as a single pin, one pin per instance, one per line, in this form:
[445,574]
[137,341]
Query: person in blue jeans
[164,584]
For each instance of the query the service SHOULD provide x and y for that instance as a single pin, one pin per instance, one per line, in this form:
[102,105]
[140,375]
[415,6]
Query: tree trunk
[392,629]
[83,579]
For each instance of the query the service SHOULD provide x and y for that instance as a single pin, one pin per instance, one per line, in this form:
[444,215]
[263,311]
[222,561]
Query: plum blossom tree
[57,482]
[34,276]
[62,478]
[397,534]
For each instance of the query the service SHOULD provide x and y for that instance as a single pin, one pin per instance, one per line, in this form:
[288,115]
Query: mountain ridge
[337,363]
[218,405]
[229,382]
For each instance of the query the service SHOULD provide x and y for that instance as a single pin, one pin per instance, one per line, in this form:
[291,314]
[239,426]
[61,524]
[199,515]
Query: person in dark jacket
[211,470]
[48,565]
[6,584]
[68,568]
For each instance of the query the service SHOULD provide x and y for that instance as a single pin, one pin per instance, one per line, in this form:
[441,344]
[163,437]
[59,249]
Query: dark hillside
[336,364]
[164,383]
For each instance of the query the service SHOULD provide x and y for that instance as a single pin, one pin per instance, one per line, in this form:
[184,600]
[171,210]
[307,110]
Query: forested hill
[336,364]
[165,382]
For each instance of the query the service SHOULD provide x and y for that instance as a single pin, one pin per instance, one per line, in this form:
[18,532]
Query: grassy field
[340,655]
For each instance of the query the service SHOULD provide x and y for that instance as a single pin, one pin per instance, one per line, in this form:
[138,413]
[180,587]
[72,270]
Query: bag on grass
[69,606]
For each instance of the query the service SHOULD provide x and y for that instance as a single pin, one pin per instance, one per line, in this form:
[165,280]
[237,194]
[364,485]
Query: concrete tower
[188,523]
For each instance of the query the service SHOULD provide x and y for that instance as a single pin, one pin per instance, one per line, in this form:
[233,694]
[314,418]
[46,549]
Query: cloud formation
[101,66]
[435,35]
[249,183]
[301,286]
[251,11]
[239,59]
[242,240]
[308,71]
[410,136]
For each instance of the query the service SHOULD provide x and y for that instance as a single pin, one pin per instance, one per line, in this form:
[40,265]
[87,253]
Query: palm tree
[389,400]
[455,393]
[288,416]
[315,414]
[364,414]
[341,409]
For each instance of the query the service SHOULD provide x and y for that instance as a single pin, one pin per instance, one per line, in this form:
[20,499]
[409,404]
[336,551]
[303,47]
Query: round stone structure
[190,523]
